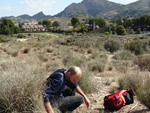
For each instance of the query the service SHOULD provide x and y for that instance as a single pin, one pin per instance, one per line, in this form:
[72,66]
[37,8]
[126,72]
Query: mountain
[106,9]
[38,16]
[25,16]
[87,7]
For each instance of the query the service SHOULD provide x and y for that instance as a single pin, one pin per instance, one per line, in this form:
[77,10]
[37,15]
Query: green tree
[6,30]
[139,31]
[47,23]
[75,21]
[135,47]
[121,30]
[113,29]
[55,24]
[98,21]
[1,39]
[40,23]
[7,26]
[16,30]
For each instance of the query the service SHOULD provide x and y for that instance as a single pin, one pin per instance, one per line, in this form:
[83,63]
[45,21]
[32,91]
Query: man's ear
[68,74]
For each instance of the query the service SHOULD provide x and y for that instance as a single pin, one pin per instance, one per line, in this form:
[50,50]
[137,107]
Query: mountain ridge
[98,8]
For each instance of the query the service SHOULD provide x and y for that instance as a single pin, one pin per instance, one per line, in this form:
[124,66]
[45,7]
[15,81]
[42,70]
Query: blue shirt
[56,86]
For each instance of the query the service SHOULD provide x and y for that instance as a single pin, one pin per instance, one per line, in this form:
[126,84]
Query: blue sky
[31,7]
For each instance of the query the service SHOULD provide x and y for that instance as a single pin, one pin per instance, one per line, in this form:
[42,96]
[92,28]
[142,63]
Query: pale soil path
[104,83]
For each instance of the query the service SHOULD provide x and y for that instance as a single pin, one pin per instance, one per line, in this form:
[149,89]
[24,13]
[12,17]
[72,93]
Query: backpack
[119,99]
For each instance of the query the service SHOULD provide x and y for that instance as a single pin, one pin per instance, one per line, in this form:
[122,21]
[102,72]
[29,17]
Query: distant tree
[7,26]
[16,30]
[75,21]
[55,24]
[121,30]
[6,30]
[47,23]
[98,21]
[1,39]
[40,23]
[113,29]
[139,31]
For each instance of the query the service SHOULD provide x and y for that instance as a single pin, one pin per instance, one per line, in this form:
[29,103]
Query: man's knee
[80,99]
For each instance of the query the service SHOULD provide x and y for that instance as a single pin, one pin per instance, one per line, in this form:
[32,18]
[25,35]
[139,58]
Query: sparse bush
[70,59]
[139,84]
[12,52]
[85,82]
[20,35]
[21,87]
[96,66]
[143,61]
[43,57]
[134,46]
[123,55]
[112,45]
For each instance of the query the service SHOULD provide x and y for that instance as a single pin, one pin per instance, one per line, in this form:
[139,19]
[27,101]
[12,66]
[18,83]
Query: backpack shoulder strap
[49,78]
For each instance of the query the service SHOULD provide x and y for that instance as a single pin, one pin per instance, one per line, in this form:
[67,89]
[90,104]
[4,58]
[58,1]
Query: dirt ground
[104,86]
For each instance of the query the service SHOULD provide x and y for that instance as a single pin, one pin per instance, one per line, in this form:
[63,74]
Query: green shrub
[106,33]
[123,55]
[135,47]
[138,31]
[20,35]
[70,59]
[97,66]
[1,39]
[143,61]
[112,45]
[121,30]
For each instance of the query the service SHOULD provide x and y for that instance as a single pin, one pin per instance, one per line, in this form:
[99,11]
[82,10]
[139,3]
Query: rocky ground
[104,86]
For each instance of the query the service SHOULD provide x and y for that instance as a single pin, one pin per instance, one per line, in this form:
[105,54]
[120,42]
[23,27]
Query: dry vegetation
[26,63]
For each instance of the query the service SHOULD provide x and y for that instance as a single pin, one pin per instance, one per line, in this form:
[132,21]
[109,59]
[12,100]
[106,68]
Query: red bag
[119,99]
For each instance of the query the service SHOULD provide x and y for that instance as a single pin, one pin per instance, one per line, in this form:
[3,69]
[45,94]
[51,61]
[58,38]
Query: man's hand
[87,102]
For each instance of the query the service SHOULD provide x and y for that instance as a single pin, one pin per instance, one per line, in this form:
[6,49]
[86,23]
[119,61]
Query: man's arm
[86,100]
[48,107]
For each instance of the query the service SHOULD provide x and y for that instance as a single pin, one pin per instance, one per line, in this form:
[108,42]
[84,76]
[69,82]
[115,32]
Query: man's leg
[70,103]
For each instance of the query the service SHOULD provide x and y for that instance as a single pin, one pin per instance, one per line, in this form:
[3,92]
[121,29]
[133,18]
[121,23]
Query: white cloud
[40,5]
[123,1]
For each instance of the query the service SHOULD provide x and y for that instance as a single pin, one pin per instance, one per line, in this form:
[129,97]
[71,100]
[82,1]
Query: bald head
[74,74]
[75,70]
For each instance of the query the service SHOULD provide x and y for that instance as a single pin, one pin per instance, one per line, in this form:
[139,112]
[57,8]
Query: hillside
[107,9]
[87,7]
[27,62]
